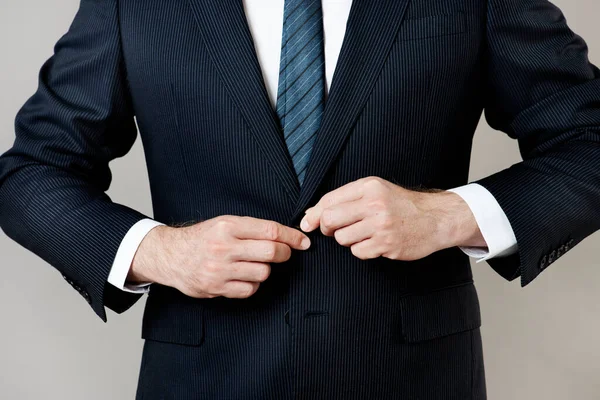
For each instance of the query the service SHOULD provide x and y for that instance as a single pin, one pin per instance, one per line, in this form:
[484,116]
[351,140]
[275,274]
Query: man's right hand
[225,256]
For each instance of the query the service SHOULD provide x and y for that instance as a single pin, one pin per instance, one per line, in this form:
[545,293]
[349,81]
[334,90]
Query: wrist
[148,260]
[455,223]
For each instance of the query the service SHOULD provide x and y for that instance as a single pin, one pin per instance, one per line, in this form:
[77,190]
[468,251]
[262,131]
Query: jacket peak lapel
[225,31]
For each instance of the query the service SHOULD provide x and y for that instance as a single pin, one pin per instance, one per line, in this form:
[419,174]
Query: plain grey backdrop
[540,342]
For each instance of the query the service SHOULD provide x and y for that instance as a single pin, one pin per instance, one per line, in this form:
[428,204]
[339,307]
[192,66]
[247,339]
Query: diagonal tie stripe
[313,51]
[301,64]
[306,93]
[301,91]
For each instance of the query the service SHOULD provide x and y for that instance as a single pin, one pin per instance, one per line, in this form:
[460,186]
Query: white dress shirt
[265,19]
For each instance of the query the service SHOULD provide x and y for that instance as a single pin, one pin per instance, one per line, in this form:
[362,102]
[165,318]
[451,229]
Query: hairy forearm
[456,223]
[150,257]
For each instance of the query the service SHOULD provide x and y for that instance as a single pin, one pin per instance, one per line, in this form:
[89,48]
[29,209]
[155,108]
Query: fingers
[260,229]
[349,192]
[366,249]
[236,255]
[355,233]
[339,216]
[239,289]
[249,271]
[261,251]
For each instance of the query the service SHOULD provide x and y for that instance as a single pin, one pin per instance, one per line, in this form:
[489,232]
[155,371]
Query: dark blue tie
[301,92]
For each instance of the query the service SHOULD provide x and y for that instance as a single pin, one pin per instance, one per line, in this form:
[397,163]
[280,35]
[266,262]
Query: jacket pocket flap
[435,25]
[440,313]
[172,317]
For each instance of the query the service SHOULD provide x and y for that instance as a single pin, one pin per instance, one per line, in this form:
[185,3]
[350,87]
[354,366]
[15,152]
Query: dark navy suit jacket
[412,81]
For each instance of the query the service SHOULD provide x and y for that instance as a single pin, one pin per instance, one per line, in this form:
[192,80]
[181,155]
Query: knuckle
[385,223]
[286,252]
[327,218]
[392,255]
[340,237]
[375,185]
[218,248]
[247,292]
[251,290]
[241,291]
[270,251]
[219,218]
[212,287]
[324,199]
[388,241]
[272,230]
[372,181]
[328,200]
[264,272]
[358,253]
[377,204]
[211,268]
[223,224]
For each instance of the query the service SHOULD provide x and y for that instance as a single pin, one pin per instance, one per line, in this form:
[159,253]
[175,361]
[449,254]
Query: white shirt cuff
[492,221]
[126,253]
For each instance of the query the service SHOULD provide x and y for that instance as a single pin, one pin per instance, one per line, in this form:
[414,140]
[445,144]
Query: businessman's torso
[405,99]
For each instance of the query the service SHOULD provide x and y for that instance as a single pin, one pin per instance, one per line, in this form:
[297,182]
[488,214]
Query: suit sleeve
[543,91]
[54,178]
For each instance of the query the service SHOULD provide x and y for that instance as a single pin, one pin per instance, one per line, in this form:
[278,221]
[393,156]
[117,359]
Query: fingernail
[305,243]
[304,224]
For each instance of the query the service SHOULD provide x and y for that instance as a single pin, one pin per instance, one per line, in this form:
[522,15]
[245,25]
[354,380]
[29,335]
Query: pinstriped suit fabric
[412,81]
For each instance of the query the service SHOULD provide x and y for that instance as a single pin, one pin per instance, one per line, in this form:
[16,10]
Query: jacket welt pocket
[435,25]
[440,313]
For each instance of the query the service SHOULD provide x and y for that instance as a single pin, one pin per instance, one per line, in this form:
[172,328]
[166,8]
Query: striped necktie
[301,91]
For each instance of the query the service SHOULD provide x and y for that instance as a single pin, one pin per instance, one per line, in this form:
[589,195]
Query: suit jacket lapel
[371,30]
[229,41]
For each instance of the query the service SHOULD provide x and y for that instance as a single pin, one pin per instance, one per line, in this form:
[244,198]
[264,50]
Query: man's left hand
[375,217]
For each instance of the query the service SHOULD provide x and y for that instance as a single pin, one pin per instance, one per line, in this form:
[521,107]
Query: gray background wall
[540,342]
